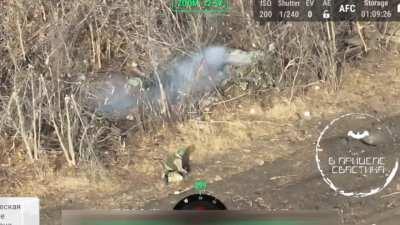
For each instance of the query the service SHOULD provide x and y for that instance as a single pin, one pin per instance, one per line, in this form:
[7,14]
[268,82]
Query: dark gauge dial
[200,202]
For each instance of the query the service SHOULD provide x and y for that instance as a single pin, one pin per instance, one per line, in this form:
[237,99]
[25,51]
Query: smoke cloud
[193,76]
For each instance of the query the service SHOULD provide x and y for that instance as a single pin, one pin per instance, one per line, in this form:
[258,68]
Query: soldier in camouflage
[177,167]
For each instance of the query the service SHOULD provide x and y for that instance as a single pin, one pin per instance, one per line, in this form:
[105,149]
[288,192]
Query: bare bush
[50,50]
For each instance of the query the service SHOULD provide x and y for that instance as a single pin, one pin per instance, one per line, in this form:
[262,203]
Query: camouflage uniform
[176,167]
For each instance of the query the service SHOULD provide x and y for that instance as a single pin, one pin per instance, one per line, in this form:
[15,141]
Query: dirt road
[294,183]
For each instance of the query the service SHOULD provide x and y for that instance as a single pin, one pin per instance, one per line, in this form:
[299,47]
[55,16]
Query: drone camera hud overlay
[169,112]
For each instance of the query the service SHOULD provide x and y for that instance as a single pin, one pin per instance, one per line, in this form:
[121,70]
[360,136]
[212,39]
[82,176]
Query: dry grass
[279,125]
[46,46]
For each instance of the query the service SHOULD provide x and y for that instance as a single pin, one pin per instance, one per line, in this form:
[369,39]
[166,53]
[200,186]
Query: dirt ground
[293,182]
[255,153]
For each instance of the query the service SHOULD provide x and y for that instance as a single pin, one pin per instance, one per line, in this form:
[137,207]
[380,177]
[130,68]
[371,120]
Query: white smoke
[191,76]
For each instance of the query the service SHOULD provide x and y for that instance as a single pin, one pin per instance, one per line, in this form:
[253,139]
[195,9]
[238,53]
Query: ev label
[356,155]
